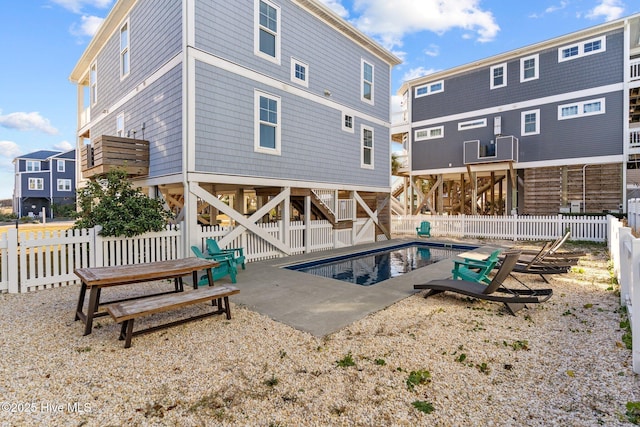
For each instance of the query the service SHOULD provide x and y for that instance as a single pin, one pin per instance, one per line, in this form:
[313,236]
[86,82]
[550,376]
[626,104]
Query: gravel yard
[441,361]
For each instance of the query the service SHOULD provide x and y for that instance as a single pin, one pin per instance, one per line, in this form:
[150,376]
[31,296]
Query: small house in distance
[44,179]
[258,111]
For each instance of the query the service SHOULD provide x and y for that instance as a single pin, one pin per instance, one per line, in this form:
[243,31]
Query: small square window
[347,122]
[299,72]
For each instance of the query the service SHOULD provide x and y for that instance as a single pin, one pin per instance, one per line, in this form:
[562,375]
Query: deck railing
[634,69]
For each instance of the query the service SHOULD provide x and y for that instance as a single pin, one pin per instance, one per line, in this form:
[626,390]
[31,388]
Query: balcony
[108,152]
[502,149]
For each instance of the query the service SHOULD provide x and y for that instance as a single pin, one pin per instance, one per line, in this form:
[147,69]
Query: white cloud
[27,121]
[337,7]
[9,149]
[391,21]
[414,73]
[609,9]
[88,26]
[63,146]
[76,6]
[432,50]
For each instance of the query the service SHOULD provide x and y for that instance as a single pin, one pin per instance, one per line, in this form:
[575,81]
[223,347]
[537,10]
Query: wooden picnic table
[96,278]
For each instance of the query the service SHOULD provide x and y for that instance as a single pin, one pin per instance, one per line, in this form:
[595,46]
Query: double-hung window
[529,68]
[367,81]
[64,185]
[36,183]
[120,125]
[498,76]
[93,83]
[530,122]
[585,48]
[267,30]
[574,110]
[33,165]
[60,165]
[366,159]
[125,54]
[267,123]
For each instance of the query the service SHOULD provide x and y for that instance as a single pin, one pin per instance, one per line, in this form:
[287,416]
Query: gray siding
[155,36]
[590,136]
[314,146]
[227,30]
[159,107]
[471,91]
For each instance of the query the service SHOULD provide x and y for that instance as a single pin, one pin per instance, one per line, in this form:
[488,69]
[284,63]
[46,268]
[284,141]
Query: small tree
[119,208]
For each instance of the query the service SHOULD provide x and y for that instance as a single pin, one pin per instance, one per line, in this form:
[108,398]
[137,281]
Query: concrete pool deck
[321,306]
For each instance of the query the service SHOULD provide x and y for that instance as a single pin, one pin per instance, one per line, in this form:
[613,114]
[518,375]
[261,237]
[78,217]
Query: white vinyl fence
[36,260]
[507,227]
[624,248]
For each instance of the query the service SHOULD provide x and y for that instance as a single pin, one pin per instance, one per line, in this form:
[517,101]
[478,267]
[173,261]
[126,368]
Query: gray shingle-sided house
[270,105]
[548,128]
[44,179]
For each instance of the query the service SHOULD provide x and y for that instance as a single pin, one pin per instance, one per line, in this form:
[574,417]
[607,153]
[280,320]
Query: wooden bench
[127,311]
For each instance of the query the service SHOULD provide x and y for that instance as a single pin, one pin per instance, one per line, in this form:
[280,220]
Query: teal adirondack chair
[424,230]
[475,270]
[236,253]
[227,267]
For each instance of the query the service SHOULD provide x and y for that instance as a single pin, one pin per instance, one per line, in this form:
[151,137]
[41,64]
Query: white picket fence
[507,227]
[624,249]
[36,260]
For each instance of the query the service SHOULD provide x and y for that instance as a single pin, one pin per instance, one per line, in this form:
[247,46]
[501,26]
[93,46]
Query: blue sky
[43,39]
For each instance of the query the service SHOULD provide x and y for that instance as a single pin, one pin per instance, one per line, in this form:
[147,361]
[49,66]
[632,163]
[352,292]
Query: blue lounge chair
[227,267]
[424,230]
[236,253]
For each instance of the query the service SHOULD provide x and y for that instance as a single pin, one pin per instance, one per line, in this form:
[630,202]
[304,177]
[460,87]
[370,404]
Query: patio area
[320,305]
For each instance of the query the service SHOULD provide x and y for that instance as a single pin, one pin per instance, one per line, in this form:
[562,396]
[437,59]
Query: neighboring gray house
[42,179]
[548,128]
[274,105]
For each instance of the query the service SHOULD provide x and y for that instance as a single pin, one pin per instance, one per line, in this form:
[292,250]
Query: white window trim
[429,91]
[38,184]
[536,57]
[504,76]
[33,163]
[362,163]
[581,52]
[472,124]
[93,83]
[344,127]
[64,185]
[428,133]
[294,79]
[581,112]
[256,142]
[60,165]
[372,82]
[126,49]
[120,130]
[522,123]
[256,32]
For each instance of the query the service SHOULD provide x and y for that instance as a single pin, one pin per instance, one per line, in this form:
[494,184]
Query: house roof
[518,53]
[39,155]
[122,7]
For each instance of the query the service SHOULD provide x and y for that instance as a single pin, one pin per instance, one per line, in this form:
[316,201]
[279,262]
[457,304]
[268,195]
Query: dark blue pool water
[371,267]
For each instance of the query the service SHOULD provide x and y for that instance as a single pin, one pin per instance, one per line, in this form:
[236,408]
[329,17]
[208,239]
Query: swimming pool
[370,267]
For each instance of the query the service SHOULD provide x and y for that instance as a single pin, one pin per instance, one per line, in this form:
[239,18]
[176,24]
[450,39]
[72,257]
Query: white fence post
[12,252]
